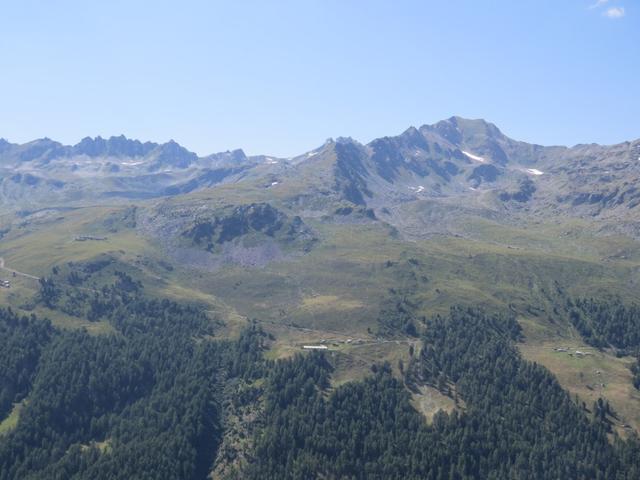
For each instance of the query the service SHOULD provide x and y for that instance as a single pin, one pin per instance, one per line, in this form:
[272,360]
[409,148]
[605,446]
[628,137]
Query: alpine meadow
[446,302]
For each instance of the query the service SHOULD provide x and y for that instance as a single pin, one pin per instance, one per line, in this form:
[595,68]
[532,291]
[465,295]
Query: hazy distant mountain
[43,171]
[468,163]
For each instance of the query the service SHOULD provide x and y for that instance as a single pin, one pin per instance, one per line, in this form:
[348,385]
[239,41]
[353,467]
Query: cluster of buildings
[323,343]
[5,283]
[84,238]
[577,353]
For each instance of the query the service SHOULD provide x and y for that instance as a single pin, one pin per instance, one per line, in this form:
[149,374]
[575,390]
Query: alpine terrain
[446,303]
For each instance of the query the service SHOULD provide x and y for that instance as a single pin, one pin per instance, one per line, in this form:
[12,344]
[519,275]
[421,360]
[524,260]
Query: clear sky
[279,77]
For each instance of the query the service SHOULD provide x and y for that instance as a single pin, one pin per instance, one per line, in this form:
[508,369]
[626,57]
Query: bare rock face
[249,235]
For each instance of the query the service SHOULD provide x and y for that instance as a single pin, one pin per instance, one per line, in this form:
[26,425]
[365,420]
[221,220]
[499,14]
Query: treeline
[635,370]
[607,323]
[142,403]
[397,315]
[148,401]
[518,423]
[92,303]
[398,309]
[525,424]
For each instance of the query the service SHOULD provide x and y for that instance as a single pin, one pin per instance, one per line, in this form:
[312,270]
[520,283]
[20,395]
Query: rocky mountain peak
[119,146]
[171,155]
[460,131]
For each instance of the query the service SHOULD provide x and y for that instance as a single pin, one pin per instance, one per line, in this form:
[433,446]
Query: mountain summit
[467,163]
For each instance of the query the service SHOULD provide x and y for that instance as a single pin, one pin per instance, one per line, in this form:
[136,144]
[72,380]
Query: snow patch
[132,164]
[417,189]
[474,157]
[311,154]
[534,171]
[274,183]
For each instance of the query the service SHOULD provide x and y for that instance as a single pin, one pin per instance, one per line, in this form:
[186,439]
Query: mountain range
[449,268]
[461,164]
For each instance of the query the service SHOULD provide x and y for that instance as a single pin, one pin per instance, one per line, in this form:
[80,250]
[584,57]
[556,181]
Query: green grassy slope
[335,292]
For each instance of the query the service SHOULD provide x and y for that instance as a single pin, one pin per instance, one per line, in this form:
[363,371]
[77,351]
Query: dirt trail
[33,277]
[22,274]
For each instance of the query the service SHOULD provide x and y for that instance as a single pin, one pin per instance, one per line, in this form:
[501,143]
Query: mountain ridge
[98,145]
[469,163]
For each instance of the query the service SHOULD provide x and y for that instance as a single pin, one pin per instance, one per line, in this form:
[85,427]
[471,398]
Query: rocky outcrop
[256,218]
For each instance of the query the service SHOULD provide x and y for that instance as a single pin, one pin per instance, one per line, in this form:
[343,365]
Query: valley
[358,248]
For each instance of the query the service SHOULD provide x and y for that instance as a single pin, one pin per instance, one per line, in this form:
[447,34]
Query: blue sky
[279,77]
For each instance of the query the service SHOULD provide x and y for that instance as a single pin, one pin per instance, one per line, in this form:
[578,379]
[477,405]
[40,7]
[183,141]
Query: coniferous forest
[152,400]
[609,322]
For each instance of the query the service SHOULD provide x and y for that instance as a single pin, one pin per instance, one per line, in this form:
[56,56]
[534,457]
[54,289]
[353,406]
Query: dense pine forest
[153,399]
[141,403]
[607,323]
[518,422]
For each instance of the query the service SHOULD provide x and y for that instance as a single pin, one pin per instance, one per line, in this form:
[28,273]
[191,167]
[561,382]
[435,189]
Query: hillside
[380,252]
